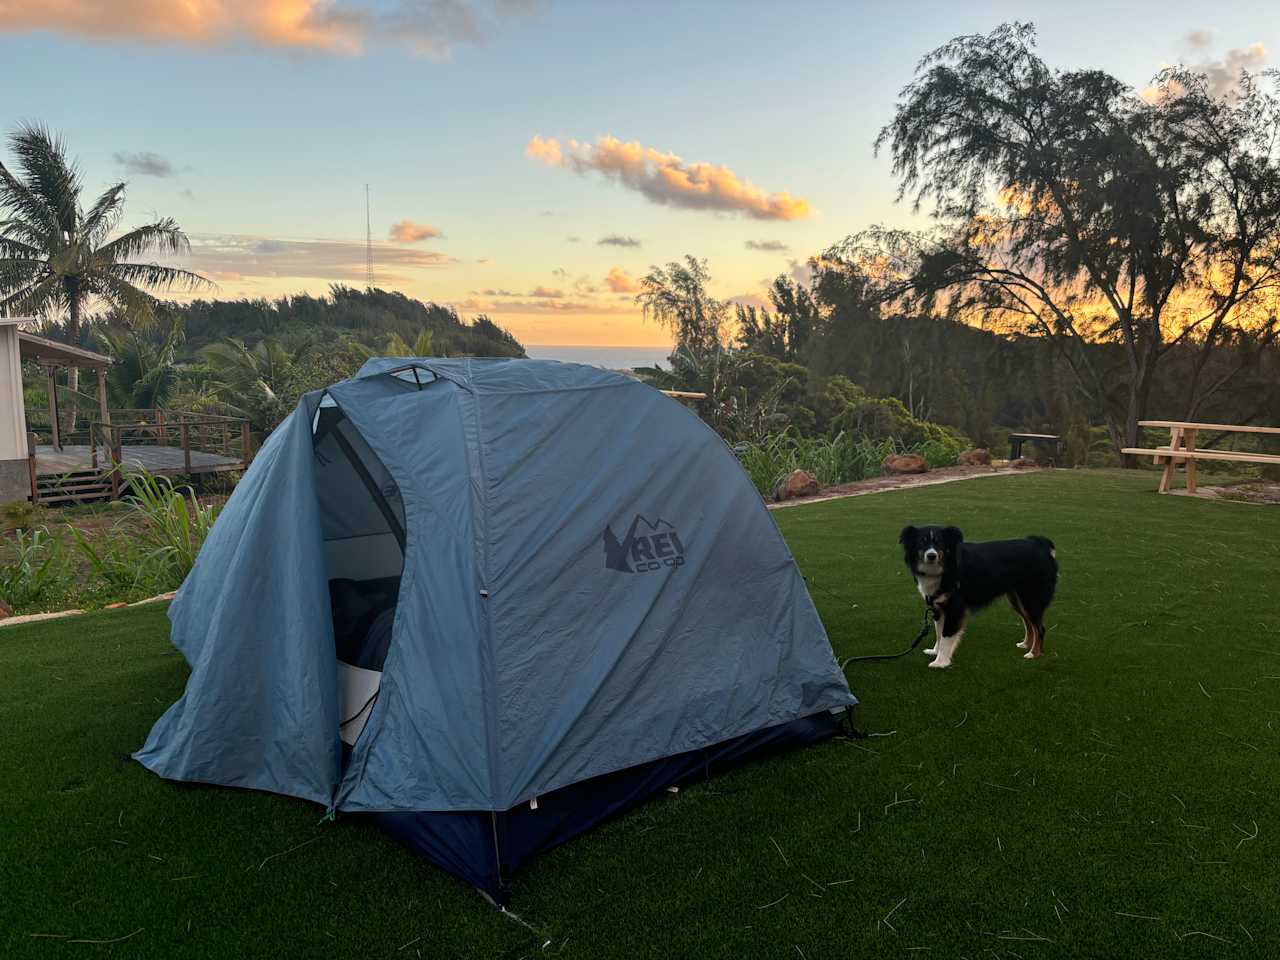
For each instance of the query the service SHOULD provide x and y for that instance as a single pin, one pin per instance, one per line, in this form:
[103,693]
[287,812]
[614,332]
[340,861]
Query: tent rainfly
[491,603]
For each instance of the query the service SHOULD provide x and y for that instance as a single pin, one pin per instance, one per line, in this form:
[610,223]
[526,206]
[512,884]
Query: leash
[929,617]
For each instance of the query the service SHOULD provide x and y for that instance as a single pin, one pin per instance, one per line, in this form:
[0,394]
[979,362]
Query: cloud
[665,178]
[430,27]
[186,194]
[574,239]
[616,240]
[498,293]
[801,272]
[407,231]
[1200,39]
[532,306]
[619,281]
[749,300]
[769,246]
[144,164]
[1221,75]
[547,293]
[1225,73]
[332,260]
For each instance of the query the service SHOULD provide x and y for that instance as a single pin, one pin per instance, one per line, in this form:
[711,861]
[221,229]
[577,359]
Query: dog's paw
[931,652]
[1030,655]
[1021,644]
[940,664]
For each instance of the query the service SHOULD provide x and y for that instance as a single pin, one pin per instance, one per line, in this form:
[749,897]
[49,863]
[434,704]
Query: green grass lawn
[1119,798]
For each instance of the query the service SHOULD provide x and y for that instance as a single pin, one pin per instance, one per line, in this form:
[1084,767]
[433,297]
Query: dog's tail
[1047,544]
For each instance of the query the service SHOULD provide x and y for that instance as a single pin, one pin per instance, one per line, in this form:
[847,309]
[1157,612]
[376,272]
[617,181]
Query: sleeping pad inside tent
[491,603]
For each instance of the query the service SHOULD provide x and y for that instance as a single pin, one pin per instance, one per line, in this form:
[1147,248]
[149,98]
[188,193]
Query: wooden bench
[1182,448]
[1016,440]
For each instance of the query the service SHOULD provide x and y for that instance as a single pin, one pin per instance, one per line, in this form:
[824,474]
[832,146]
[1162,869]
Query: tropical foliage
[56,256]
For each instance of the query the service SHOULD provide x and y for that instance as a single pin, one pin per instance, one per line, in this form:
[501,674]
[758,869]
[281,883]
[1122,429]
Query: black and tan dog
[957,578]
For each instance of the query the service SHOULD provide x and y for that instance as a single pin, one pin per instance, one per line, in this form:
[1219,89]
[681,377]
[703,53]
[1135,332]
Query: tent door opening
[363,527]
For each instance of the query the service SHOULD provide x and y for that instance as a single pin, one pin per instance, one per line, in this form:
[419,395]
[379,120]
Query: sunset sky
[527,160]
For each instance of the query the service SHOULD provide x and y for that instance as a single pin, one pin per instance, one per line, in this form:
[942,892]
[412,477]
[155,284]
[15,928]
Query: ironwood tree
[1071,207]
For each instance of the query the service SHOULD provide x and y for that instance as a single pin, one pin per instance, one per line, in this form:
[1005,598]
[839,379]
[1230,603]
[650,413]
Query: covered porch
[89,458]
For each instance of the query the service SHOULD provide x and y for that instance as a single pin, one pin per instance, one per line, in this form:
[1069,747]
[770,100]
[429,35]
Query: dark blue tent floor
[486,848]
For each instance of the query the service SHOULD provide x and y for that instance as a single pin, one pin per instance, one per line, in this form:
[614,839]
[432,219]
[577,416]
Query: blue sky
[270,128]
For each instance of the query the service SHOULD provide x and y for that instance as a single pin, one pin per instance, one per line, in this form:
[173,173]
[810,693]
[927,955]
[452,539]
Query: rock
[977,457]
[5,610]
[798,483]
[115,606]
[898,463]
[1022,463]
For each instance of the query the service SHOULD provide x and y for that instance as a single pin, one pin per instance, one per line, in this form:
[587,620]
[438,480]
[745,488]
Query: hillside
[369,316]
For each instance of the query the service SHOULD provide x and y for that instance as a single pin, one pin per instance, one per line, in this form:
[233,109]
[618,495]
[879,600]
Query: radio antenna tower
[368,242]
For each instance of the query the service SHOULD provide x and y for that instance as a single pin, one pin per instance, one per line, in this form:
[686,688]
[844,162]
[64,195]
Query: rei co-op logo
[648,545]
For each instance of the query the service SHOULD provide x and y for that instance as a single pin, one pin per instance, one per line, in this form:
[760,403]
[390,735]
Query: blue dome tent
[491,603]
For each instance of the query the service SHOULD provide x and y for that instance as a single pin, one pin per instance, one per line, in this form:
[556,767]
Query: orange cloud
[665,178]
[323,25]
[547,293]
[237,257]
[619,281]
[407,231]
[294,23]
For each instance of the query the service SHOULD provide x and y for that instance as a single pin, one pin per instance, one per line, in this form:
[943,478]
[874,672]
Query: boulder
[898,463]
[1023,463]
[798,483]
[977,457]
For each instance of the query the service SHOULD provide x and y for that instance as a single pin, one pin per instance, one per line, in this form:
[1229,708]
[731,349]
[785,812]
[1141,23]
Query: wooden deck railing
[211,433]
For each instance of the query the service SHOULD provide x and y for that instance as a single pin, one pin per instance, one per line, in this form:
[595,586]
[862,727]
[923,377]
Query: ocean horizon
[610,358]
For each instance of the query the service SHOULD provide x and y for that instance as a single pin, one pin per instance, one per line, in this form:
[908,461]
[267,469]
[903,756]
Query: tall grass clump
[174,525]
[34,564]
[844,458]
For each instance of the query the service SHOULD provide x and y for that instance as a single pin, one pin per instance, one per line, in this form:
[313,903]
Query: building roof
[53,353]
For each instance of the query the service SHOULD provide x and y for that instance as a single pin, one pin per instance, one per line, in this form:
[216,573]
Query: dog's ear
[907,537]
[952,537]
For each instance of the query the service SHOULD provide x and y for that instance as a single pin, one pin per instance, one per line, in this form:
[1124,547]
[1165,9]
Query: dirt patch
[1252,491]
[881,484]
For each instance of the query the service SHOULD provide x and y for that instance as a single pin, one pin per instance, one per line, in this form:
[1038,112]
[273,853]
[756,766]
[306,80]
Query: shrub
[18,515]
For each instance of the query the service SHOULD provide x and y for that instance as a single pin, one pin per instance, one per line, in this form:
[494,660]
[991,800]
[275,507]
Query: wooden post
[53,409]
[164,435]
[103,413]
[1175,438]
[244,443]
[117,455]
[31,467]
[1190,444]
[186,446]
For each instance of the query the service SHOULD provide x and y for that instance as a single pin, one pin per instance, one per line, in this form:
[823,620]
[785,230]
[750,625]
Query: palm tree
[146,369]
[421,347]
[250,379]
[55,256]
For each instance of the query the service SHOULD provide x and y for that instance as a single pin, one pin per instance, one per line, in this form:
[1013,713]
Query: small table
[1016,440]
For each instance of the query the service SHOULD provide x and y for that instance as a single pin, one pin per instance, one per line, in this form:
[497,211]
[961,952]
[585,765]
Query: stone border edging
[59,614]
[926,481]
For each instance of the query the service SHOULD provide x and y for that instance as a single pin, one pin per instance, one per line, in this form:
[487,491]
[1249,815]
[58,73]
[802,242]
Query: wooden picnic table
[1182,448]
